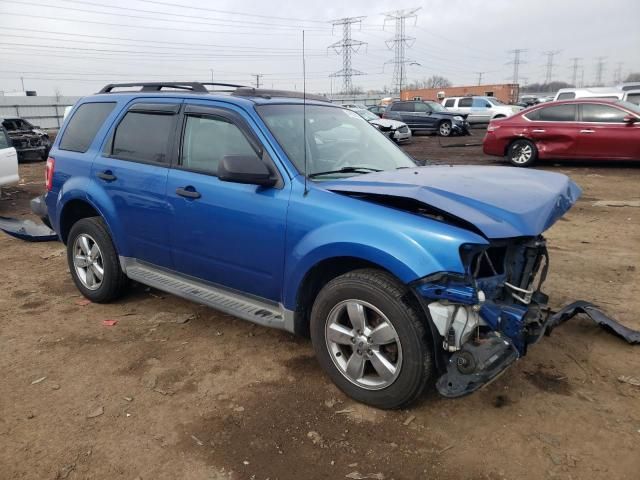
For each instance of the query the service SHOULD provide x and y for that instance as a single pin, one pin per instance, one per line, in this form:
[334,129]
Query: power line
[346,47]
[516,62]
[574,68]
[549,66]
[599,70]
[399,43]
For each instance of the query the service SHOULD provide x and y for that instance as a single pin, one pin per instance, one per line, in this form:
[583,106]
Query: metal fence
[45,112]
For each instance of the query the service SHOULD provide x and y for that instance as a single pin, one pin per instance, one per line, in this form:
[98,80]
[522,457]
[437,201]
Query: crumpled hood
[386,123]
[501,202]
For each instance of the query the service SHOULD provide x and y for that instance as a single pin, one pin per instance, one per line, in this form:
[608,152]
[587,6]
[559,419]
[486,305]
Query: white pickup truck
[8,160]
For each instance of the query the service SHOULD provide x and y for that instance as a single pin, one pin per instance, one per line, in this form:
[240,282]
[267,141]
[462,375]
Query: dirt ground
[178,391]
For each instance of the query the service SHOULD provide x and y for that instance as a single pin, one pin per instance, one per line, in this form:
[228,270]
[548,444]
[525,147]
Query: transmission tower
[346,47]
[599,70]
[617,74]
[574,69]
[399,43]
[548,75]
[516,62]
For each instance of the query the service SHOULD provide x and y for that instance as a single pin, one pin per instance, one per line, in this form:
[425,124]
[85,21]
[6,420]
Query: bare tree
[633,77]
[434,81]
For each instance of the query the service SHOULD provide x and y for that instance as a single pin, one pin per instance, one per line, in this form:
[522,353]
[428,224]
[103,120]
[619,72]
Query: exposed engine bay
[487,318]
[26,138]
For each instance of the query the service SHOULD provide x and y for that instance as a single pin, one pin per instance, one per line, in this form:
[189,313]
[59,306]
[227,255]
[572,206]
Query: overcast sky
[76,46]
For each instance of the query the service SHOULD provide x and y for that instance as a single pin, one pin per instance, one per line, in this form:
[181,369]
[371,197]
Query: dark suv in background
[428,117]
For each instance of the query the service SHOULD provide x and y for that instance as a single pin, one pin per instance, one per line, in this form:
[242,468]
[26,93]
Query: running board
[231,302]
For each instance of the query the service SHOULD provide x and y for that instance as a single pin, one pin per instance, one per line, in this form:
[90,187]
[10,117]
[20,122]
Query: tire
[383,300]
[445,129]
[522,153]
[113,281]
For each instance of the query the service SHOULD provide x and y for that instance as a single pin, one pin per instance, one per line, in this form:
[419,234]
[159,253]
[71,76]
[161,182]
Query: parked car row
[571,129]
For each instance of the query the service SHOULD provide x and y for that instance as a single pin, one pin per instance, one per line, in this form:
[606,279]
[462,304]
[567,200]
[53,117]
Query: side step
[231,302]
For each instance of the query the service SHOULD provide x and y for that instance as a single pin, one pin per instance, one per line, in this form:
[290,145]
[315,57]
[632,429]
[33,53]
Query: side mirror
[630,119]
[247,169]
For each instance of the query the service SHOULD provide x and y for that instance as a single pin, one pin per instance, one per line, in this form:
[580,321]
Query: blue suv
[296,214]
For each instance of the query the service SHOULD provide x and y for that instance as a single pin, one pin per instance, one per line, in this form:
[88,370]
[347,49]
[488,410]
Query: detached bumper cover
[29,230]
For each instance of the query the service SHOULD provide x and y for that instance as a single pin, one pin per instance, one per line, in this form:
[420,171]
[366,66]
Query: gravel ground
[176,390]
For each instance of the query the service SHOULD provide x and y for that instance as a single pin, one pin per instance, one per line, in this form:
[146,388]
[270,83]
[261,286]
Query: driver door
[229,234]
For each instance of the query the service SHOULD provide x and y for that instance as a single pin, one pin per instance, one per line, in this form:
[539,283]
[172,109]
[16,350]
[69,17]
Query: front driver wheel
[371,340]
[444,130]
[522,153]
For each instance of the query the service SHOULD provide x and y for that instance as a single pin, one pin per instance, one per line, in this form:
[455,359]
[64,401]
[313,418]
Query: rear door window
[592,112]
[465,102]
[402,107]
[555,113]
[143,137]
[83,126]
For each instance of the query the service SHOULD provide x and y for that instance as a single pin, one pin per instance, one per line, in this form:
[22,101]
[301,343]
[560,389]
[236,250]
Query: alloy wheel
[522,154]
[87,261]
[445,129]
[363,344]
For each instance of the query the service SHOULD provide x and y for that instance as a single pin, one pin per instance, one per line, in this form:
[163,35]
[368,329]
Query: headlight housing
[458,118]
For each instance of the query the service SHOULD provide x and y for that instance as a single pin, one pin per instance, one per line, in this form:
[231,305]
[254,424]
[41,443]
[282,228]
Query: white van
[595,92]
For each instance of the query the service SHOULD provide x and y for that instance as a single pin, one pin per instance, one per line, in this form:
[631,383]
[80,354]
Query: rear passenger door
[555,130]
[464,107]
[229,234]
[132,171]
[406,112]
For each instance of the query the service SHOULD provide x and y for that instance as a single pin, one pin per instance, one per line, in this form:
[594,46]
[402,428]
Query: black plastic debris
[595,314]
[27,230]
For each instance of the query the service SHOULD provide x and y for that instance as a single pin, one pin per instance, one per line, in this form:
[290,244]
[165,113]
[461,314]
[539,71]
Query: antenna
[304,114]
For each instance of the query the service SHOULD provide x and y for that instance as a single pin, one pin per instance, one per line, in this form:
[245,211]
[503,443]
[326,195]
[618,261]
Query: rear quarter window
[83,126]
[566,96]
[450,103]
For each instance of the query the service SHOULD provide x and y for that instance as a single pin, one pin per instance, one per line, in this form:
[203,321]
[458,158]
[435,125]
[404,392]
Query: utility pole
[516,62]
[399,43]
[549,66]
[582,76]
[211,70]
[480,75]
[346,47]
[574,68]
[257,75]
[22,81]
[599,70]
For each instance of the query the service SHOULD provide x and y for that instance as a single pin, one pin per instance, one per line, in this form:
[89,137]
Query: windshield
[336,139]
[631,106]
[436,107]
[366,114]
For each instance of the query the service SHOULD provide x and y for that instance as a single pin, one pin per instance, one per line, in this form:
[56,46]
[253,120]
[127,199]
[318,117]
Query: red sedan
[576,129]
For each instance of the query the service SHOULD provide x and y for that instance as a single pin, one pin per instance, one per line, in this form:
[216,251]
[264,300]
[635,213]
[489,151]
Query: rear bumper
[493,146]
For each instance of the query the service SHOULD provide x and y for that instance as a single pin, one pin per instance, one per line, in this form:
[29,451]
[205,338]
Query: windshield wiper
[345,170]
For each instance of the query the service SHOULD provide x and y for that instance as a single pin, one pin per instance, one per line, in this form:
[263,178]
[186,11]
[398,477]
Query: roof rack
[196,87]
[265,93]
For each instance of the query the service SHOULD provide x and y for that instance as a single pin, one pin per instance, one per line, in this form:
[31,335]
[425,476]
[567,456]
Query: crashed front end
[486,319]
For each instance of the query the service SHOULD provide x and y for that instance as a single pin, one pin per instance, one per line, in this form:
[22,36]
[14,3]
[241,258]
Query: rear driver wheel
[370,340]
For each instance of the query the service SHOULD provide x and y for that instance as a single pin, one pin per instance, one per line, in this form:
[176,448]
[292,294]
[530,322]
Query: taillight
[48,173]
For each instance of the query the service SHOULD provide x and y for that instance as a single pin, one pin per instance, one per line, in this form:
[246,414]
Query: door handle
[183,192]
[587,131]
[539,130]
[107,176]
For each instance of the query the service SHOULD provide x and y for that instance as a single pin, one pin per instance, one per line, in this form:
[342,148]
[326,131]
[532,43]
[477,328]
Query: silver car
[397,131]
[480,109]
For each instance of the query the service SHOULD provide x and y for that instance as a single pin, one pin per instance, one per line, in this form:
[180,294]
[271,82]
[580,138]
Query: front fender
[409,254]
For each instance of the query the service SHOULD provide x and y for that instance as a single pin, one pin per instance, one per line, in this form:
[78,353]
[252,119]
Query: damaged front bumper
[484,320]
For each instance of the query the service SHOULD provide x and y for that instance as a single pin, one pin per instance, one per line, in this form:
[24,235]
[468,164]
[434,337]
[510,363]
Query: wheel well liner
[73,211]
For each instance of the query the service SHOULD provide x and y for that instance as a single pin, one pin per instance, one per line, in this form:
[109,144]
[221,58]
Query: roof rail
[197,87]
[265,93]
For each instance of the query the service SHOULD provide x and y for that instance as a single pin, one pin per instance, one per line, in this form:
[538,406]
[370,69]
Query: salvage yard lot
[175,390]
